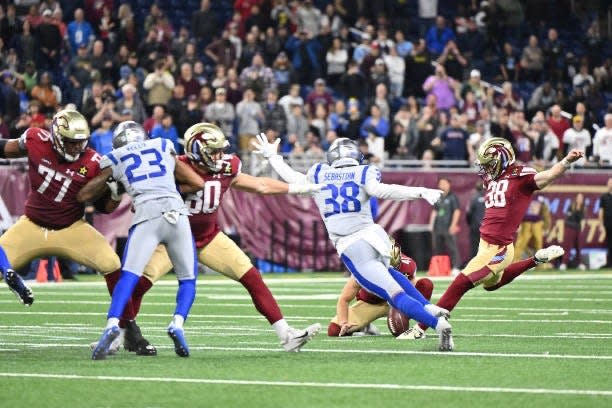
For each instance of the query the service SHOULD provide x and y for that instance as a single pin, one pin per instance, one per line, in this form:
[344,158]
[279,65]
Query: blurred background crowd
[416,80]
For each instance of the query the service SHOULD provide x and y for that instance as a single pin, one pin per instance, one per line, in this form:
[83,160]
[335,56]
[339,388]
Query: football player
[205,146]
[147,169]
[509,188]
[368,307]
[364,247]
[60,163]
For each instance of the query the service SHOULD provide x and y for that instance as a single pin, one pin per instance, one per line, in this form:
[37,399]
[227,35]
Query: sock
[280,327]
[141,288]
[425,287]
[453,294]
[122,293]
[128,312]
[185,295]
[512,271]
[112,321]
[177,321]
[413,308]
[4,263]
[333,330]
[408,287]
[260,294]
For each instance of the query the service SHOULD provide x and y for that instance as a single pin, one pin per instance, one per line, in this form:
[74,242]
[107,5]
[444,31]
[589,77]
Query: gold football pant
[529,233]
[221,254]
[360,314]
[80,242]
[495,257]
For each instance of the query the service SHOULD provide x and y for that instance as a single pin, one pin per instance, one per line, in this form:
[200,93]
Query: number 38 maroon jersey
[203,205]
[55,182]
[506,201]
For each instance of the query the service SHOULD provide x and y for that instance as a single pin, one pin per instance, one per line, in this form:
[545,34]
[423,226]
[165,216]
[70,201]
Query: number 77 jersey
[506,201]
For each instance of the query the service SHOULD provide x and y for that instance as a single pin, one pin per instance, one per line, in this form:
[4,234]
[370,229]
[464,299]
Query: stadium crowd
[408,79]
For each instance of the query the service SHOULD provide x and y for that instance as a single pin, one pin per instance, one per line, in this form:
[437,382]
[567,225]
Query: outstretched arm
[269,151]
[11,149]
[96,187]
[187,178]
[269,186]
[400,193]
[544,178]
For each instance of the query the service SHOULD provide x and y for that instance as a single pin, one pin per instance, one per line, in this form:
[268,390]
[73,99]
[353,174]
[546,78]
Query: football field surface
[543,341]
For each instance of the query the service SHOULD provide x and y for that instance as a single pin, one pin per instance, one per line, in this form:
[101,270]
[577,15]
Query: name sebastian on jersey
[339,176]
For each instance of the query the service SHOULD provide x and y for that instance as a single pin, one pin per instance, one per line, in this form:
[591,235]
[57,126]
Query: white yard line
[311,384]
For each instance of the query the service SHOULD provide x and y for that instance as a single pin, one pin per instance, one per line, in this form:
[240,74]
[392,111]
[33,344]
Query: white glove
[431,195]
[265,148]
[113,185]
[304,188]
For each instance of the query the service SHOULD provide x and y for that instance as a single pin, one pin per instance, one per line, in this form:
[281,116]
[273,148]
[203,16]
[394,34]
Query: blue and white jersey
[344,203]
[146,170]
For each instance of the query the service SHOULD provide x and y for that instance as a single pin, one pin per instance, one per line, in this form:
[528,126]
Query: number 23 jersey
[506,201]
[55,182]
[203,205]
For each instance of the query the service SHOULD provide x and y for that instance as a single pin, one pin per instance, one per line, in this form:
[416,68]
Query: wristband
[566,163]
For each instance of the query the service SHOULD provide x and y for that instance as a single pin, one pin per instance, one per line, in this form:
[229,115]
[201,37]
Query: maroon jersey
[55,182]
[203,205]
[407,267]
[506,201]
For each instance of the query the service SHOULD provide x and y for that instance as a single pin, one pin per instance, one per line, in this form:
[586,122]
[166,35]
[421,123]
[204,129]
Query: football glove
[265,148]
[113,185]
[431,195]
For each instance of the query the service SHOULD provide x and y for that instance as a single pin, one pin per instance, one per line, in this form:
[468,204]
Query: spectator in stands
[509,66]
[44,93]
[577,137]
[532,61]
[159,83]
[304,51]
[284,73]
[177,108]
[258,77]
[396,67]
[442,87]
[102,138]
[382,100]
[108,108]
[571,233]
[453,61]
[337,120]
[26,43]
[475,85]
[403,46]
[155,119]
[128,33]
[583,78]
[205,98]
[10,25]
[274,114]
[375,129]
[319,94]
[542,98]
[418,68]
[308,18]
[438,35]
[558,124]
[49,41]
[501,128]
[222,51]
[546,142]
[79,31]
[130,106]
[352,82]
[232,86]
[221,112]
[101,61]
[602,143]
[444,224]
[249,115]
[297,126]
[204,24]
[509,99]
[453,143]
[191,85]
[554,55]
[292,98]
[166,130]
[336,59]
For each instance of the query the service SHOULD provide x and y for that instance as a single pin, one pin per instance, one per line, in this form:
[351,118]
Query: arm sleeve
[286,172]
[375,188]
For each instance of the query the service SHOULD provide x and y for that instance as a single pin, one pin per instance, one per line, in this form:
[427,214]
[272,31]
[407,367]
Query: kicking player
[509,188]
[364,247]
[359,316]
[60,163]
[205,145]
[147,169]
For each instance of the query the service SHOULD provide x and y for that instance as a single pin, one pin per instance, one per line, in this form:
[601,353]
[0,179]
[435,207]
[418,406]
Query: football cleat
[115,345]
[436,311]
[295,339]
[370,330]
[102,348]
[19,288]
[413,333]
[134,341]
[445,332]
[547,254]
[178,337]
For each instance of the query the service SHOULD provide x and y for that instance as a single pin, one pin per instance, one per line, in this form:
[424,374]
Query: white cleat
[294,339]
[413,333]
[367,330]
[446,335]
[436,310]
[115,346]
[547,254]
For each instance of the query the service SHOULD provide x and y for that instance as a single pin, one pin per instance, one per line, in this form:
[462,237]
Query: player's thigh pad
[141,243]
[158,265]
[366,266]
[496,257]
[224,256]
[181,248]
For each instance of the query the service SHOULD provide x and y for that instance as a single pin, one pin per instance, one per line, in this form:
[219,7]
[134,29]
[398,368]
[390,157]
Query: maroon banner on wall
[289,229]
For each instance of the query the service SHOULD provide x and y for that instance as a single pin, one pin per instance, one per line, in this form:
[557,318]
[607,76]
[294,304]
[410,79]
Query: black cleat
[19,288]
[135,342]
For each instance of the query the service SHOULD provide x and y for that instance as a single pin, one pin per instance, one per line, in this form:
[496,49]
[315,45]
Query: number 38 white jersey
[344,203]
[146,170]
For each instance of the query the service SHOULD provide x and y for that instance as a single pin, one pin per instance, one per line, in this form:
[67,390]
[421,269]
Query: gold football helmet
[69,134]
[205,143]
[494,156]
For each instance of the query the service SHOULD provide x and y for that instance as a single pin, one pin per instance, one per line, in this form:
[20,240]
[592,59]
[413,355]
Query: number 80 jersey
[344,203]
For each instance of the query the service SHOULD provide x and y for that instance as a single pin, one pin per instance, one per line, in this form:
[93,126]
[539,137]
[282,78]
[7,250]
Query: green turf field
[544,341]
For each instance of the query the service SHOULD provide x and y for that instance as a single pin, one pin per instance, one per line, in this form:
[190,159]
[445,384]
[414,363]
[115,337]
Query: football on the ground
[397,322]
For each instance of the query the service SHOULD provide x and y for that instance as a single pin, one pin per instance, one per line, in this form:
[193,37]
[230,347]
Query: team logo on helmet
[69,126]
[494,156]
[205,144]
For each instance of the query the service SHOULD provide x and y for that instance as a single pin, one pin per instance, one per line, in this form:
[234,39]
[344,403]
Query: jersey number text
[496,194]
[206,200]
[50,175]
[137,161]
[349,192]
